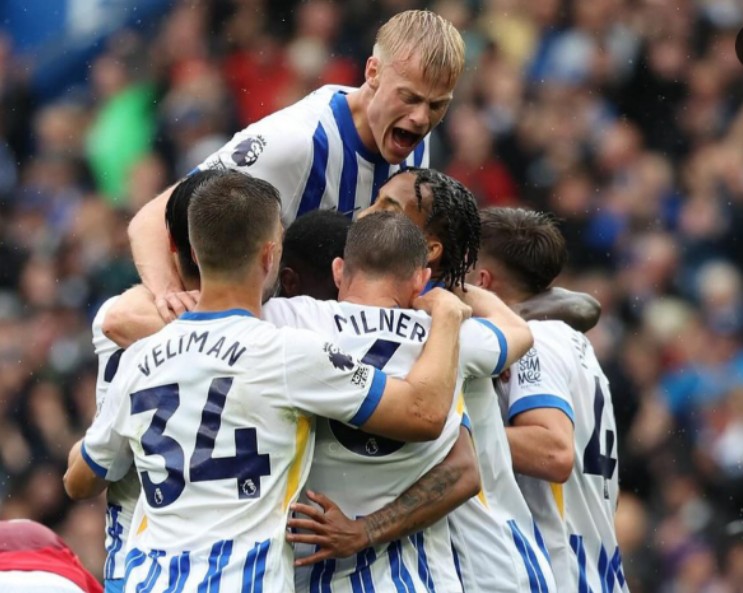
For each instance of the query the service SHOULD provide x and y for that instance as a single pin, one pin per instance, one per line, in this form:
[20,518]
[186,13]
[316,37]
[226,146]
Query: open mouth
[405,139]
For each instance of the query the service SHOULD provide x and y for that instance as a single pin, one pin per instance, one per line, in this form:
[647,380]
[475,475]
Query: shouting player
[336,147]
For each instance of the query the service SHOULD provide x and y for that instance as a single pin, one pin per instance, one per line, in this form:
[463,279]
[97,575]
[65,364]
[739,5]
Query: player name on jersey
[387,320]
[193,342]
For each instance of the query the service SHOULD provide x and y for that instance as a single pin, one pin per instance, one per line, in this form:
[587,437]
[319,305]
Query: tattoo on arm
[403,515]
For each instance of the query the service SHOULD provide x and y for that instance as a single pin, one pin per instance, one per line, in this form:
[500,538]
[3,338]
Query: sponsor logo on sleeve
[529,369]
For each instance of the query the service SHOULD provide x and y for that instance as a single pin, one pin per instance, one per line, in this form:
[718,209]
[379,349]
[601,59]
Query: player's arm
[133,316]
[416,408]
[489,308]
[433,496]
[579,310]
[541,443]
[79,480]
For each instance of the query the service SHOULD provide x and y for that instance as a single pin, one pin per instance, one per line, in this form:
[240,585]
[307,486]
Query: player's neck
[376,292]
[357,103]
[222,295]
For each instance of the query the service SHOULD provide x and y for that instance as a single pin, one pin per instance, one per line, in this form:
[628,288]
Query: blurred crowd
[623,117]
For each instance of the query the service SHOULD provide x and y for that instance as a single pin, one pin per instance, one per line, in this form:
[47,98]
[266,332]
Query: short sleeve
[323,380]
[541,378]
[108,353]
[274,150]
[104,447]
[483,349]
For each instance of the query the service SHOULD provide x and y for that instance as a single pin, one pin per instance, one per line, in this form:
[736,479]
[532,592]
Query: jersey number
[246,466]
[358,441]
[594,462]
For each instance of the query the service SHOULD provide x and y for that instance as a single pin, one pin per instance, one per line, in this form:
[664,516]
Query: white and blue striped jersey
[576,518]
[313,154]
[363,472]
[498,546]
[217,412]
[122,495]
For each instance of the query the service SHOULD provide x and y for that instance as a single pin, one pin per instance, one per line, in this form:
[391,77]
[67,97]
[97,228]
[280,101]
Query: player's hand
[336,535]
[438,301]
[173,304]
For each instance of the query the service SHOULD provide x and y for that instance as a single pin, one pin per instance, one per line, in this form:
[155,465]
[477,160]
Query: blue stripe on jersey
[361,578]
[180,567]
[219,556]
[255,568]
[371,401]
[321,576]
[114,530]
[576,542]
[466,422]
[350,169]
[540,400]
[112,366]
[457,566]
[423,571]
[501,342]
[381,174]
[314,188]
[98,470]
[541,544]
[418,153]
[616,566]
[606,572]
[153,574]
[210,315]
[134,559]
[400,575]
[535,583]
[347,130]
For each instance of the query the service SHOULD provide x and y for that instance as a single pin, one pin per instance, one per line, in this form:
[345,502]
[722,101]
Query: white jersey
[576,518]
[216,410]
[363,472]
[122,495]
[312,153]
[498,545]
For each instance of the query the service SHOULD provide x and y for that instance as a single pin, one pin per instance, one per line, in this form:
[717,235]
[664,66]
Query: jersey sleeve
[108,353]
[275,150]
[323,380]
[483,349]
[104,447]
[541,378]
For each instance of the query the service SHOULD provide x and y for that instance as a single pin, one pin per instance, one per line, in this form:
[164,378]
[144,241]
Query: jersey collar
[209,315]
[348,131]
[431,284]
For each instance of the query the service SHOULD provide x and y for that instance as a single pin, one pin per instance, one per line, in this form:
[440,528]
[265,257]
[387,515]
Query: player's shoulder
[551,330]
[100,316]
[302,115]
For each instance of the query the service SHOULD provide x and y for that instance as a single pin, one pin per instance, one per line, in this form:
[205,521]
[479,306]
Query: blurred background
[623,117]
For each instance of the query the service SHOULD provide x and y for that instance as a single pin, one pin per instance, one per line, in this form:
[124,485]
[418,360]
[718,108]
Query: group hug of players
[294,401]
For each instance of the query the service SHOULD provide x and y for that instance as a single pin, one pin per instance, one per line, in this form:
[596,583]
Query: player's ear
[435,250]
[193,257]
[337,266]
[372,72]
[172,246]
[422,277]
[481,277]
[290,283]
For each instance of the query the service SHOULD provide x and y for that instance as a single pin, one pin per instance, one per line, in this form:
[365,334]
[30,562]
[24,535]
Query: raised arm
[488,306]
[133,316]
[433,496]
[579,310]
[149,241]
[415,409]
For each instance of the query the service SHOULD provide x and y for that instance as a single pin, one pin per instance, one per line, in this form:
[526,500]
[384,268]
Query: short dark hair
[528,244]
[229,217]
[453,219]
[315,239]
[385,243]
[176,219]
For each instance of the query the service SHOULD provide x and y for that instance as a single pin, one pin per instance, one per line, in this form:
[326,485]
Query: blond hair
[425,35]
